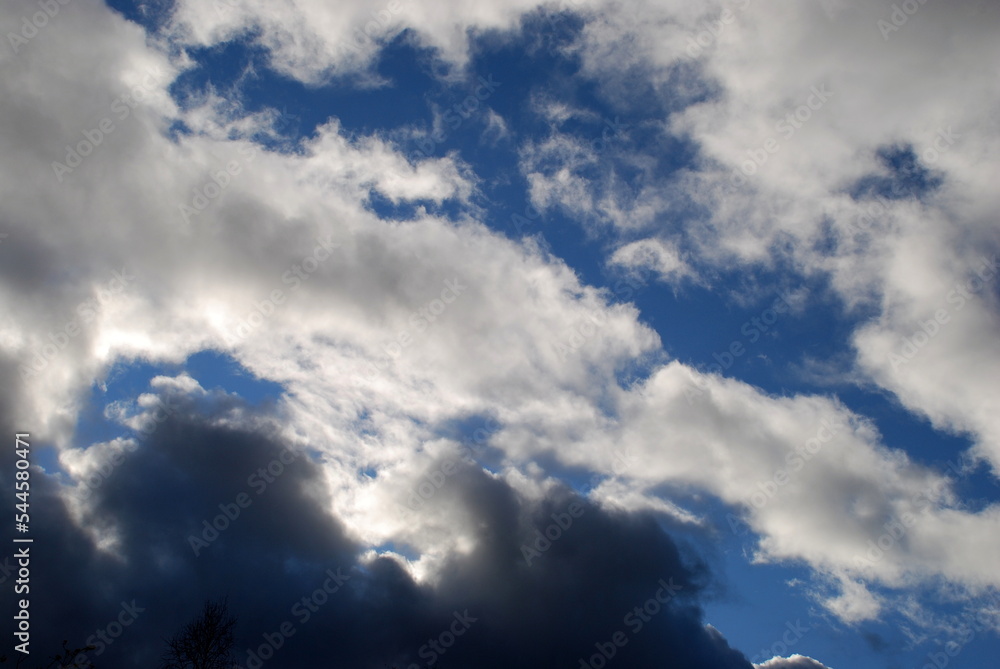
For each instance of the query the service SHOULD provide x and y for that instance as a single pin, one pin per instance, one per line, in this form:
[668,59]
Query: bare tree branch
[204,643]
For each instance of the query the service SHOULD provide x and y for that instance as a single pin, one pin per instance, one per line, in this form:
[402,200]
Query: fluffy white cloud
[803,98]
[312,40]
[654,255]
[793,662]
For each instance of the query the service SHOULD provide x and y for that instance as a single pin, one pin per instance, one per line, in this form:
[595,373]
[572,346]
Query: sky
[634,333]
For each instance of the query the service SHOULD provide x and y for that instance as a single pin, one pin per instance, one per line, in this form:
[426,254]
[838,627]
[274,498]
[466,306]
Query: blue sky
[656,277]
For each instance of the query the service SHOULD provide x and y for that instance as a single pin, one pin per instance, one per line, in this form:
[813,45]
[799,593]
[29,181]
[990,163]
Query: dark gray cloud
[576,597]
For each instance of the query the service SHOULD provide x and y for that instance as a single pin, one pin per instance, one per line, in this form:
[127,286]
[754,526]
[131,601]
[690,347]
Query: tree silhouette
[206,642]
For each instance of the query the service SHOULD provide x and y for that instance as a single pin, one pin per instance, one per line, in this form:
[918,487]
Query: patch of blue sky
[128,379]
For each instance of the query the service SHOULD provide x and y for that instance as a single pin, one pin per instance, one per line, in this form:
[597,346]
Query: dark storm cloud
[150,505]
[580,588]
[274,559]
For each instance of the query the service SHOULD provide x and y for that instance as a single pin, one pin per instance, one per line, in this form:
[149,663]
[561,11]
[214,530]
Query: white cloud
[312,40]
[654,255]
[792,662]
[775,187]
[364,333]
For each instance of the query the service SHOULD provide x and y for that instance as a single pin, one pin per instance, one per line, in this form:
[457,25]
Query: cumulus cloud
[216,501]
[793,662]
[879,197]
[143,230]
[313,41]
